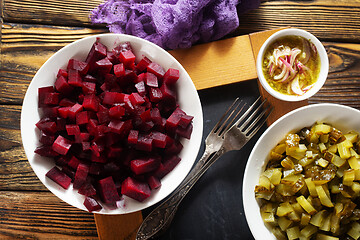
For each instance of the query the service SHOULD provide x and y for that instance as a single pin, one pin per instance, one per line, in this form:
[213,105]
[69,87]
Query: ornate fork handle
[160,218]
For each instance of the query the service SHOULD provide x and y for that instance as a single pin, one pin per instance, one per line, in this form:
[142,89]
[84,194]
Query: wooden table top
[32,30]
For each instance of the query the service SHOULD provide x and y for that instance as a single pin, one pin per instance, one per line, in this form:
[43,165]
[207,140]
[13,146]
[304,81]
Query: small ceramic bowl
[324,65]
[342,117]
[187,97]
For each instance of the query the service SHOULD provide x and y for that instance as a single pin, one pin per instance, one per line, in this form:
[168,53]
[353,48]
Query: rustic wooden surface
[32,30]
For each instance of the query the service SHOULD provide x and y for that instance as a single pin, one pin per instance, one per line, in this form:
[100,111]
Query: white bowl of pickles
[302,179]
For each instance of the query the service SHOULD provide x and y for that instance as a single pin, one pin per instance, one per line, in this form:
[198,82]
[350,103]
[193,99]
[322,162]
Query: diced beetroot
[151,80]
[89,78]
[73,162]
[98,159]
[103,66]
[103,115]
[91,204]
[60,124]
[167,166]
[185,120]
[133,137]
[62,161]
[51,99]
[85,146]
[61,85]
[64,112]
[144,165]
[156,69]
[81,174]
[74,110]
[144,143]
[112,57]
[107,189]
[59,177]
[122,47]
[111,98]
[115,152]
[91,103]
[47,126]
[50,112]
[173,121]
[153,182]
[89,88]
[185,132]
[96,148]
[155,94]
[46,151]
[82,117]
[146,116]
[91,127]
[72,129]
[171,76]
[120,127]
[141,89]
[61,145]
[42,92]
[135,189]
[62,72]
[117,112]
[143,63]
[159,139]
[128,58]
[98,51]
[65,102]
[136,99]
[74,78]
[95,168]
[46,139]
[119,70]
[168,95]
[87,189]
[174,148]
[75,64]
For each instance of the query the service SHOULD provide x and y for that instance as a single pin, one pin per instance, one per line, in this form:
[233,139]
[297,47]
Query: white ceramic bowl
[323,70]
[342,117]
[187,96]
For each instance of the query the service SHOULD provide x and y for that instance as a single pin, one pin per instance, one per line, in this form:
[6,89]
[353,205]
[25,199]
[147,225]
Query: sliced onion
[295,87]
[282,74]
[307,51]
[294,54]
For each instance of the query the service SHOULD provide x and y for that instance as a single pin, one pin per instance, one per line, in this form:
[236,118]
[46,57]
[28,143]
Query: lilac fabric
[172,24]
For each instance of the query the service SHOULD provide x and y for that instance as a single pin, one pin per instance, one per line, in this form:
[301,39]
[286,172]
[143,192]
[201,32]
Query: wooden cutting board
[209,65]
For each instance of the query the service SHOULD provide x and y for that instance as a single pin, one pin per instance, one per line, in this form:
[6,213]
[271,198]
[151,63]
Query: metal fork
[224,137]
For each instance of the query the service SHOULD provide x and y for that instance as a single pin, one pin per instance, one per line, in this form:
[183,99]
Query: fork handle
[161,217]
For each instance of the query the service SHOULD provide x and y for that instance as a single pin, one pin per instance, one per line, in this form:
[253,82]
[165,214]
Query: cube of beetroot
[91,102]
[128,58]
[173,121]
[169,163]
[81,66]
[91,127]
[42,92]
[87,189]
[155,115]
[121,47]
[117,112]
[89,78]
[143,63]
[144,165]
[116,126]
[155,94]
[97,148]
[61,85]
[115,152]
[171,76]
[81,174]
[144,143]
[59,177]
[61,145]
[98,51]
[50,112]
[85,146]
[185,132]
[133,137]
[91,204]
[103,66]
[174,148]
[98,159]
[151,80]
[168,95]
[52,99]
[89,88]
[75,109]
[111,98]
[129,78]
[47,126]
[156,69]
[73,162]
[95,168]
[135,189]
[72,129]
[119,70]
[136,99]
[146,116]
[65,102]
[60,124]
[159,139]
[62,72]
[103,115]
[107,190]
[82,117]
[140,87]
[46,139]
[153,182]
[185,120]
[64,112]
[74,78]
[46,151]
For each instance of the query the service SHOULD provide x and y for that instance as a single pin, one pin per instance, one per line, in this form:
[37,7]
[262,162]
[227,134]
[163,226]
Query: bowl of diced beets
[111,124]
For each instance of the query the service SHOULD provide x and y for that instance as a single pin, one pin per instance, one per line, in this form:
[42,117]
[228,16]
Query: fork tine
[248,111]
[245,126]
[256,129]
[224,115]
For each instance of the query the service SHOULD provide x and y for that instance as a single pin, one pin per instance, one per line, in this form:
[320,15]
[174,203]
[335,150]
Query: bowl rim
[250,204]
[154,49]
[324,67]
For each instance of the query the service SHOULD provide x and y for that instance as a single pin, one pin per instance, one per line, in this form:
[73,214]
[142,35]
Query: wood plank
[327,19]
[41,215]
[55,12]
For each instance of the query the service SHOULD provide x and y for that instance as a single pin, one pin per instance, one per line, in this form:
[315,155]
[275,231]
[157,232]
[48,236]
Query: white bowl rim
[252,214]
[324,69]
[196,137]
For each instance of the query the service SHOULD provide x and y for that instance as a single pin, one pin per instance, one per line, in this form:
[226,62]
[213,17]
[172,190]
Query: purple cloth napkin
[172,24]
